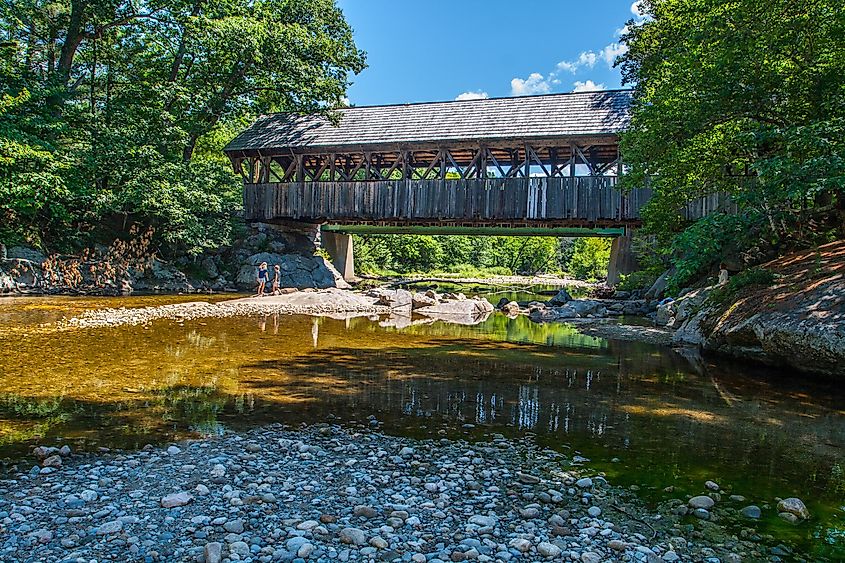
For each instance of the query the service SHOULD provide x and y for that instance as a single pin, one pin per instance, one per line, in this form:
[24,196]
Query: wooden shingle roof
[570,115]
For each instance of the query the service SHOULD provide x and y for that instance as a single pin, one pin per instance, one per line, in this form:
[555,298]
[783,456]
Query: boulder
[420,300]
[298,271]
[584,307]
[25,253]
[665,314]
[466,311]
[511,308]
[396,299]
[210,267]
[659,286]
[562,298]
[702,501]
[794,506]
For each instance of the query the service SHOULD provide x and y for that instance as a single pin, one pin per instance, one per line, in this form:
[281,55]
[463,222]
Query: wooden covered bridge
[521,165]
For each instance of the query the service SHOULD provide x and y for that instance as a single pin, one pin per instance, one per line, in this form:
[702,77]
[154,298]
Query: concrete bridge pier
[622,258]
[339,247]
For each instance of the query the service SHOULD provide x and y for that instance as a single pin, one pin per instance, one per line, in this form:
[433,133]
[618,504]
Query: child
[263,274]
[277,274]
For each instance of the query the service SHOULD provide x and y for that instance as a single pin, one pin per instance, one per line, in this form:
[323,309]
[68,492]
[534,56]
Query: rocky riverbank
[124,268]
[326,493]
[790,311]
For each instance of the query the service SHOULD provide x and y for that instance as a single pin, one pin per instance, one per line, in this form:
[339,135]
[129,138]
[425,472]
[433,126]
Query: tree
[590,258]
[127,105]
[728,88]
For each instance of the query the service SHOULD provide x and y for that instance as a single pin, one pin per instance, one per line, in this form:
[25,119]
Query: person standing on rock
[263,274]
[277,275]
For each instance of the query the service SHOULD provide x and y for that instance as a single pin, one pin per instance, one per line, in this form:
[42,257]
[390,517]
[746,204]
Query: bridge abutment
[339,247]
[623,261]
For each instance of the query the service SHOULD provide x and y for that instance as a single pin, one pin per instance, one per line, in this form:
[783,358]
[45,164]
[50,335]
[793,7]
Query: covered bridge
[520,165]
[539,161]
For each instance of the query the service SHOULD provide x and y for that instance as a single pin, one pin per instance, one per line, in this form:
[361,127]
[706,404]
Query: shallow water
[646,415]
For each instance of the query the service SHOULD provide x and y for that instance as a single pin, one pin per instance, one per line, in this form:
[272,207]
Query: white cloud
[588,86]
[534,84]
[612,51]
[585,59]
[473,96]
[636,7]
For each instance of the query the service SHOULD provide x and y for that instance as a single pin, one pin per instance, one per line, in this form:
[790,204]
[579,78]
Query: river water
[648,416]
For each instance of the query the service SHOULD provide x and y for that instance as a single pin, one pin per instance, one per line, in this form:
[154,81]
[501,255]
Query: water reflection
[673,419]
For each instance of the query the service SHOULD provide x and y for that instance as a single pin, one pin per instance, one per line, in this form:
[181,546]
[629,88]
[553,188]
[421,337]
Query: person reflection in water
[263,274]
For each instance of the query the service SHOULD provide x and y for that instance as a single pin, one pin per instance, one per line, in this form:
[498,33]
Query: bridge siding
[563,200]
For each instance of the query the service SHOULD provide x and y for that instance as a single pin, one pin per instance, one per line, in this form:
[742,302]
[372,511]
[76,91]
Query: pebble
[213,552]
[354,536]
[584,483]
[547,549]
[176,499]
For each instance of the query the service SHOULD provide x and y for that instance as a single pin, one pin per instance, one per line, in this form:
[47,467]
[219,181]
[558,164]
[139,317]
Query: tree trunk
[72,40]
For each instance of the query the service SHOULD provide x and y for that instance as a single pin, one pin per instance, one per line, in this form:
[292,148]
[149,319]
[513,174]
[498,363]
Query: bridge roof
[552,116]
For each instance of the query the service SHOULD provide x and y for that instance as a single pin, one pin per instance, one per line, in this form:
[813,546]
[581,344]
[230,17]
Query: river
[648,416]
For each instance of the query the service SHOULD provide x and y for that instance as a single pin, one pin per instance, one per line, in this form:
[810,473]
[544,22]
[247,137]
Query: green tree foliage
[466,255]
[725,87]
[113,114]
[590,258]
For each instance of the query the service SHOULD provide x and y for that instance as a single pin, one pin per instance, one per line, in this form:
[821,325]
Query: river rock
[584,483]
[455,309]
[752,511]
[213,552]
[702,501]
[365,511]
[353,536]
[794,506]
[420,300]
[396,299]
[547,549]
[511,308]
[711,485]
[176,499]
[701,513]
[52,461]
[483,521]
[561,298]
[109,528]
[520,544]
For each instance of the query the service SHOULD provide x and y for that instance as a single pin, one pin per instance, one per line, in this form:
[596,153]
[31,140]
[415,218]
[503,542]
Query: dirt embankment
[797,320]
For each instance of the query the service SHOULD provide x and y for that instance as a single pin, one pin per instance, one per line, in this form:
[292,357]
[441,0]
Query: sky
[457,49]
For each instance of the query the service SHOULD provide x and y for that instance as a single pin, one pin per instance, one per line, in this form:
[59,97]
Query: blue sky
[442,49]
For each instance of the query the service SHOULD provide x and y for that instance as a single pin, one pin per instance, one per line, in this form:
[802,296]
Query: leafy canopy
[725,88]
[113,113]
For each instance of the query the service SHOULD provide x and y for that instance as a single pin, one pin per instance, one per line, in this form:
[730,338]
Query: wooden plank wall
[578,199]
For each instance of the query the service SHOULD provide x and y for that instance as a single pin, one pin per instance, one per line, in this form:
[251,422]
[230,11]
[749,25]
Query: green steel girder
[480,231]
